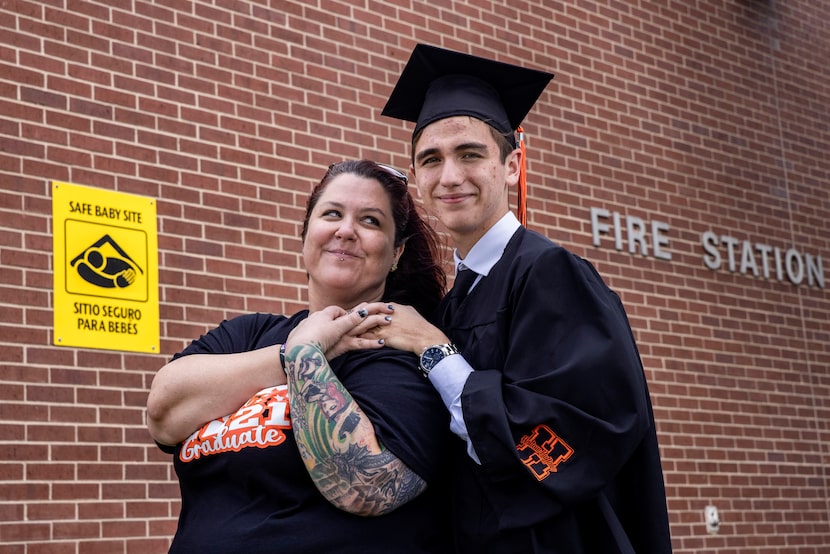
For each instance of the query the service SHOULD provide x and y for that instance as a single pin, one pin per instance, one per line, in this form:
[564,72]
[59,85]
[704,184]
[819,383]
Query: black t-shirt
[243,484]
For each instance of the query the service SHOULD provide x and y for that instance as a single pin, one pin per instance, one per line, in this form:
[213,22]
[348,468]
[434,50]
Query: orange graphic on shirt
[259,423]
[542,452]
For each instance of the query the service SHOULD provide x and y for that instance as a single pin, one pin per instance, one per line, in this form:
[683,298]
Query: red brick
[229,112]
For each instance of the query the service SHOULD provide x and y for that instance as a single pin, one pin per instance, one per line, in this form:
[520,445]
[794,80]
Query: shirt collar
[488,250]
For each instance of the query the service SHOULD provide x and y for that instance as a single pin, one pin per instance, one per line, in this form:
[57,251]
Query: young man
[537,364]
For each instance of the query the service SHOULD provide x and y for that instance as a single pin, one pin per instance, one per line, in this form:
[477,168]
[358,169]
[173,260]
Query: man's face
[461,178]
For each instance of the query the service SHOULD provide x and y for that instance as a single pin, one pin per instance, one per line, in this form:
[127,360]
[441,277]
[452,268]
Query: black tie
[463,281]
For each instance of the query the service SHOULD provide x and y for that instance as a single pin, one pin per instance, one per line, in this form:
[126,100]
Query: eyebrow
[478,146]
[334,204]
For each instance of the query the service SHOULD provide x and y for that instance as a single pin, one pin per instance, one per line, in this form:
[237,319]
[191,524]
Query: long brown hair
[418,280]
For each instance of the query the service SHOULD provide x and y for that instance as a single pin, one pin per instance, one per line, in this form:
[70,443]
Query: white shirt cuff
[448,377]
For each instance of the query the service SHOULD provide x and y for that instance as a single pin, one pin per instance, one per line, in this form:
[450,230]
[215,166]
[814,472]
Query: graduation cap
[438,83]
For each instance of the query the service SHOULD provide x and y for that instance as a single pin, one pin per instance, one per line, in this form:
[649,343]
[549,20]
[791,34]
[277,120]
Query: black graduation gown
[558,412]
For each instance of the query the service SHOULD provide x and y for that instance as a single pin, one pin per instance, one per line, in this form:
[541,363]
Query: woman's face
[349,246]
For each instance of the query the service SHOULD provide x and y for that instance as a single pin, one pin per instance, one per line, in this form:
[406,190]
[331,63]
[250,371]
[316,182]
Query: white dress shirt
[450,374]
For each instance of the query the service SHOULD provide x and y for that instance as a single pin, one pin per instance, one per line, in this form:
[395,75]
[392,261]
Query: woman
[328,443]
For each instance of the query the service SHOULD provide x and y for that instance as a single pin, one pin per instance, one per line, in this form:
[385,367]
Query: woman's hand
[335,331]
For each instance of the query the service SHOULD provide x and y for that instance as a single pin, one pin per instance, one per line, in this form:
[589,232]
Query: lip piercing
[341,259]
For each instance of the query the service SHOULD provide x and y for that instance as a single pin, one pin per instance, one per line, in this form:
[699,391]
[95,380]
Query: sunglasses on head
[395,172]
[387,168]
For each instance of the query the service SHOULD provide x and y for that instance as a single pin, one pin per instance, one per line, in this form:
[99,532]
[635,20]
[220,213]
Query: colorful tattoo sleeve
[337,441]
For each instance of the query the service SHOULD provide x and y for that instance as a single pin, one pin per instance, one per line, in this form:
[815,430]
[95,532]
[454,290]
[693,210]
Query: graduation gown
[558,412]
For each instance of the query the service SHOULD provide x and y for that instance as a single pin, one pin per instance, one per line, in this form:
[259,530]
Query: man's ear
[414,179]
[513,167]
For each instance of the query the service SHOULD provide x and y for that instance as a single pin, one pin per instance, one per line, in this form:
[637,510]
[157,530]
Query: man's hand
[403,328]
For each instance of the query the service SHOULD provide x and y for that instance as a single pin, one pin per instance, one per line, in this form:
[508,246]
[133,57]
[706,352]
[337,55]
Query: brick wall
[704,125]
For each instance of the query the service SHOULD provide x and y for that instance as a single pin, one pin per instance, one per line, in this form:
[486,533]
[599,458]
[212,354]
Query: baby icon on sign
[105,264]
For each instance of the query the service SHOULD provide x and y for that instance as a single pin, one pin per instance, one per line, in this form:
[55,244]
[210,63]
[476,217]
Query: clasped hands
[373,325]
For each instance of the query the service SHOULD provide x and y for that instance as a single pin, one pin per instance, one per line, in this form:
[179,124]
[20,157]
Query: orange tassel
[522,203]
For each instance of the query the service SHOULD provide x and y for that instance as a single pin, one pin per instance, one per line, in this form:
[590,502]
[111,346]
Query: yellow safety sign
[106,269]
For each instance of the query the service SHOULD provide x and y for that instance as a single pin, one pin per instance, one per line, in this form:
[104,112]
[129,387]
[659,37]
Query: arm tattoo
[337,441]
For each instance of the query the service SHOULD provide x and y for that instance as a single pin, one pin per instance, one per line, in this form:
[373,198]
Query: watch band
[434,354]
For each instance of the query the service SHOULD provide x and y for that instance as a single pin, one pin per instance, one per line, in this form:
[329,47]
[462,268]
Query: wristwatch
[434,354]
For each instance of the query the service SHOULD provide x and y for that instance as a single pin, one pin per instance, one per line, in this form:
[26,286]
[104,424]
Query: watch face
[431,356]
[434,354]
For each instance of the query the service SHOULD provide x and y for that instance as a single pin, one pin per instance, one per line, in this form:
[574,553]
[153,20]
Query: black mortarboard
[438,83]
